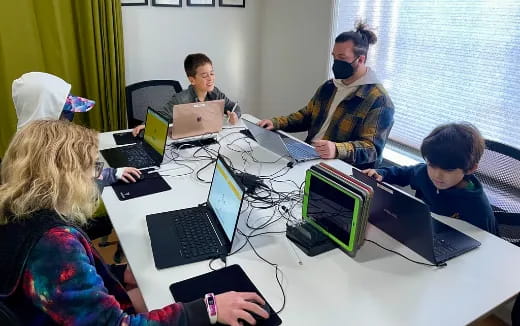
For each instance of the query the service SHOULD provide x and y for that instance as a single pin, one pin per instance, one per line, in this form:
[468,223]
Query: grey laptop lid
[268,139]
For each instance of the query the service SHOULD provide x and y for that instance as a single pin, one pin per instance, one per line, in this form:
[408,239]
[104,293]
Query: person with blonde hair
[43,96]
[51,274]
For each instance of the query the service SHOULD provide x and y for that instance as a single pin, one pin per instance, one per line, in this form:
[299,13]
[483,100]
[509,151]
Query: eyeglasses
[98,168]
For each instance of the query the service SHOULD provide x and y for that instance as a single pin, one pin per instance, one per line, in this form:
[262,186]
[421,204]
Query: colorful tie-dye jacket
[65,279]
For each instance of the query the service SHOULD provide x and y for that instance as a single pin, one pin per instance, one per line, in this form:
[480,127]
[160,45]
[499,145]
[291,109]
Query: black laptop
[230,278]
[282,145]
[409,221]
[199,233]
[145,153]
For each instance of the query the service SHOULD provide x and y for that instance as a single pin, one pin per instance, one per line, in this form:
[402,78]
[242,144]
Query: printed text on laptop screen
[225,197]
[155,132]
[332,214]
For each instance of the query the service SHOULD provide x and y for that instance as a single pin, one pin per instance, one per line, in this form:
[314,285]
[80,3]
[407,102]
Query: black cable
[400,254]
[272,264]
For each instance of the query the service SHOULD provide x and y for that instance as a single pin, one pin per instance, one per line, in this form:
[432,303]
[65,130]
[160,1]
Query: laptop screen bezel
[222,234]
[154,155]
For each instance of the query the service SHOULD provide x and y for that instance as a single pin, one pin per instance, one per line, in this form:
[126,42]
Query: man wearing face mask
[351,115]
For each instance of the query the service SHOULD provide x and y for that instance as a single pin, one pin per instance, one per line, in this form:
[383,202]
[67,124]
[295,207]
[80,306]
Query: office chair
[153,93]
[498,171]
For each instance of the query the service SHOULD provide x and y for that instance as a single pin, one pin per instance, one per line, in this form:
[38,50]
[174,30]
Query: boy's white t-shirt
[342,92]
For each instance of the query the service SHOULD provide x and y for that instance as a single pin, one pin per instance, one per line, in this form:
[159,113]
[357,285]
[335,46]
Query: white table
[374,288]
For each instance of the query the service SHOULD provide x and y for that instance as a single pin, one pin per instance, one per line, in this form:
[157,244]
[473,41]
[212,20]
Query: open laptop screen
[330,208]
[156,131]
[225,197]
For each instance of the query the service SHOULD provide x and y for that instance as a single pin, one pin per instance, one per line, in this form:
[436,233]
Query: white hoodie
[39,96]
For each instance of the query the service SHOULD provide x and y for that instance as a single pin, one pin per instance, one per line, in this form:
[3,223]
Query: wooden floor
[108,252]
[490,320]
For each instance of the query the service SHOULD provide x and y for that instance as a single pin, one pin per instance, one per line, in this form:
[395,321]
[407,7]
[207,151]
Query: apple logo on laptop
[199,119]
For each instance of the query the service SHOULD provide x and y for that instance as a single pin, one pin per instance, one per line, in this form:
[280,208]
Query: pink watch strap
[211,306]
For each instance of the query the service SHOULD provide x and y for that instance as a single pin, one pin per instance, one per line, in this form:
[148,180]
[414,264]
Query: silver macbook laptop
[281,144]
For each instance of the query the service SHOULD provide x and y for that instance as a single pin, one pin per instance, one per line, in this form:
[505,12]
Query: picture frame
[167,3]
[232,3]
[134,2]
[200,3]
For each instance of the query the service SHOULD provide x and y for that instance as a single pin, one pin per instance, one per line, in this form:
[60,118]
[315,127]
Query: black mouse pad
[124,138]
[231,278]
[150,183]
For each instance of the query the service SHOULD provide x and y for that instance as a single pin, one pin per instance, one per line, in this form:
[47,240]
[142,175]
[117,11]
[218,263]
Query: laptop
[199,233]
[230,278]
[281,144]
[146,153]
[198,120]
[409,221]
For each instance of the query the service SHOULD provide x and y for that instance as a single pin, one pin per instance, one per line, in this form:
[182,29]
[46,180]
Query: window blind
[444,61]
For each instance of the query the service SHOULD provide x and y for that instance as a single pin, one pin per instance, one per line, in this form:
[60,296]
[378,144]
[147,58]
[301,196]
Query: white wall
[157,39]
[296,36]
[270,55]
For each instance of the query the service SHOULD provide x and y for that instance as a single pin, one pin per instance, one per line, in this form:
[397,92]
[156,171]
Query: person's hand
[233,118]
[325,148]
[373,174]
[130,175]
[267,124]
[137,130]
[232,306]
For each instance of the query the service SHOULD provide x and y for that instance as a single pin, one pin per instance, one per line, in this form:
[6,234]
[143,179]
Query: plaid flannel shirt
[359,127]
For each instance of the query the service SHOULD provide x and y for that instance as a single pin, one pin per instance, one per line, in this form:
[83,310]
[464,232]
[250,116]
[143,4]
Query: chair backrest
[499,170]
[153,93]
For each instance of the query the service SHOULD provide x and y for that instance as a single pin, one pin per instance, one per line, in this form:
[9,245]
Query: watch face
[212,307]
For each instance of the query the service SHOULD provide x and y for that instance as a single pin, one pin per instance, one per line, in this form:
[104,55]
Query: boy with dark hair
[201,75]
[446,181]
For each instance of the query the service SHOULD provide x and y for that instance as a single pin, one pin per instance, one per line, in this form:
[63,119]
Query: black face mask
[343,69]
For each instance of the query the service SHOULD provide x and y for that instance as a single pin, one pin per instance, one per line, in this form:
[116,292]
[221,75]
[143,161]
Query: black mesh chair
[499,171]
[153,93]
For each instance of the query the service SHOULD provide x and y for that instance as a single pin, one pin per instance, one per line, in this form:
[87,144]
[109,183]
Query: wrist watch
[211,306]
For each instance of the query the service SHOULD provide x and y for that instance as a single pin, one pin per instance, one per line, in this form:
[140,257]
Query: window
[445,61]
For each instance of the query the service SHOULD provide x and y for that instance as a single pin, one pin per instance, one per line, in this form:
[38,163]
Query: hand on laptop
[232,306]
[130,175]
[325,148]
[267,124]
[137,130]
[373,174]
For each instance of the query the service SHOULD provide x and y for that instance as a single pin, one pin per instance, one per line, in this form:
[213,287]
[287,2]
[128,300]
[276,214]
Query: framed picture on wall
[167,3]
[232,3]
[134,2]
[200,3]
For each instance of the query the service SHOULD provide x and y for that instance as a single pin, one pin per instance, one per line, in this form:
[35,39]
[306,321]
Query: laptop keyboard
[300,151]
[442,248]
[195,234]
[137,156]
